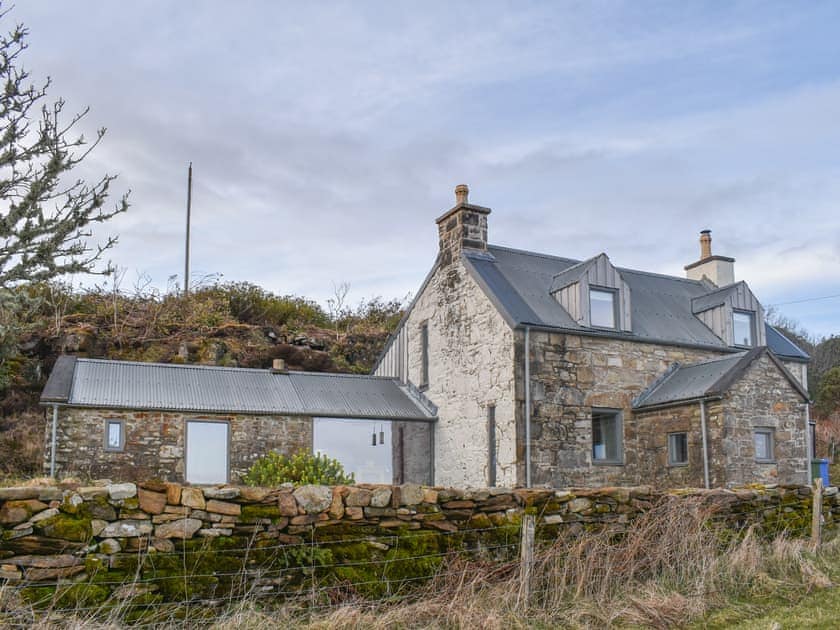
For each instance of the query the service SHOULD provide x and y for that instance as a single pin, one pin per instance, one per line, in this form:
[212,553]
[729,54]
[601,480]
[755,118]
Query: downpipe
[705,444]
[527,407]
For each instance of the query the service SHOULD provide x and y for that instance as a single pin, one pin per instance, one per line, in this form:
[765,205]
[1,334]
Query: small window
[424,355]
[763,439]
[602,308]
[606,436]
[677,449]
[743,325]
[114,435]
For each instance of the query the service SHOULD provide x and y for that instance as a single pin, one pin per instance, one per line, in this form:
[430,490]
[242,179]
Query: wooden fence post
[816,514]
[526,558]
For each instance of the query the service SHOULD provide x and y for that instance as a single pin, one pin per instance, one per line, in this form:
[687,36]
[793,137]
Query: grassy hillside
[223,324]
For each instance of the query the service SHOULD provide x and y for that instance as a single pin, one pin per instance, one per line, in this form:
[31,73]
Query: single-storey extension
[205,424]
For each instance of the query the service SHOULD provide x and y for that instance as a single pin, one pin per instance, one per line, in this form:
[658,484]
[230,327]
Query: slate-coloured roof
[705,379]
[519,283]
[157,386]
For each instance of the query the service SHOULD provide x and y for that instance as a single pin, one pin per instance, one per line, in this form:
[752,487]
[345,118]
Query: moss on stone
[252,513]
[67,527]
[71,596]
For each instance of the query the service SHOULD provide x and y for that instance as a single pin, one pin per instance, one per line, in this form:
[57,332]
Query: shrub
[251,304]
[301,468]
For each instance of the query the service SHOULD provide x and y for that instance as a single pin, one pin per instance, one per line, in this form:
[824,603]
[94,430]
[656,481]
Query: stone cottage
[548,370]
[205,424]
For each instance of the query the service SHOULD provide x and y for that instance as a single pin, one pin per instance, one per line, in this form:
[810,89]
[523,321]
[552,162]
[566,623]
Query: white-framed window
[602,308]
[607,437]
[743,327]
[764,445]
[114,435]
[678,449]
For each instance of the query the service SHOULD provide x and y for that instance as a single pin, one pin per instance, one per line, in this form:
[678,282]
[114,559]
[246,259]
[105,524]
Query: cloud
[326,138]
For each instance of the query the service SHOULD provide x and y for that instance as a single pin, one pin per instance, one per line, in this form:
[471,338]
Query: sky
[327,137]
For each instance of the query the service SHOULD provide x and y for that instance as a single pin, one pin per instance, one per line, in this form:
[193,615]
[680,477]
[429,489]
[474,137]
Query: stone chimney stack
[720,270]
[462,227]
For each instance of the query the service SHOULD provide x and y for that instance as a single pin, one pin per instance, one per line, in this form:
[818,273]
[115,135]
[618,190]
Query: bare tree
[337,305]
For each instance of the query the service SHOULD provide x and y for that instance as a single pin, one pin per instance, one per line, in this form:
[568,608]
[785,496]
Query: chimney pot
[705,244]
[462,194]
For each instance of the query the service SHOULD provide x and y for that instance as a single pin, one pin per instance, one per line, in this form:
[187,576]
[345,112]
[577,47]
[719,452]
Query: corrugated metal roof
[129,385]
[519,283]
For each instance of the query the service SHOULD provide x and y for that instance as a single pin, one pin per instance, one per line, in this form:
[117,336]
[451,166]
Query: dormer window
[594,294]
[743,326]
[602,311]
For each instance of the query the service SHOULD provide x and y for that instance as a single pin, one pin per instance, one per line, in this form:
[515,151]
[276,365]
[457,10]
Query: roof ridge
[740,355]
[173,365]
[530,253]
[229,368]
[576,261]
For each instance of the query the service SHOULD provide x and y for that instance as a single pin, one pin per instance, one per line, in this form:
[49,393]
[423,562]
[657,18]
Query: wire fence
[317,575]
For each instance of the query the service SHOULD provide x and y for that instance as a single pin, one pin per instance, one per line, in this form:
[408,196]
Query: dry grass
[669,569]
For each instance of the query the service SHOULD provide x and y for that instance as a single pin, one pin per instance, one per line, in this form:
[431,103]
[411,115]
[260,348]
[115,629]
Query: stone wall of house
[652,429]
[571,374]
[799,370]
[154,442]
[470,368]
[763,398]
[152,543]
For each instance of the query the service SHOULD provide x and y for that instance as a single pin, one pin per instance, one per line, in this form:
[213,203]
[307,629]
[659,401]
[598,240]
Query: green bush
[251,304]
[301,468]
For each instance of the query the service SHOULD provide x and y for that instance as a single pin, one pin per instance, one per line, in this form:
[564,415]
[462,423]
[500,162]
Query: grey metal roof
[686,382]
[783,346]
[519,283]
[129,385]
[706,379]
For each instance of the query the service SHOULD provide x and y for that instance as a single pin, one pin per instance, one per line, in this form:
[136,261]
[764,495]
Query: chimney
[278,366]
[462,227]
[720,270]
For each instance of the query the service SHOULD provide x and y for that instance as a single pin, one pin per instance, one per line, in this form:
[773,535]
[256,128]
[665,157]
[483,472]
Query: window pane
[114,437]
[207,452]
[352,443]
[606,437]
[742,324]
[602,308]
[763,445]
[678,448]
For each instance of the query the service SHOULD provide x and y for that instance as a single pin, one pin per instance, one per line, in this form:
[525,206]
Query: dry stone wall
[127,544]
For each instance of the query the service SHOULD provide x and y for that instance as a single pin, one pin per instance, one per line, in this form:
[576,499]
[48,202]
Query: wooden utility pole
[187,248]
